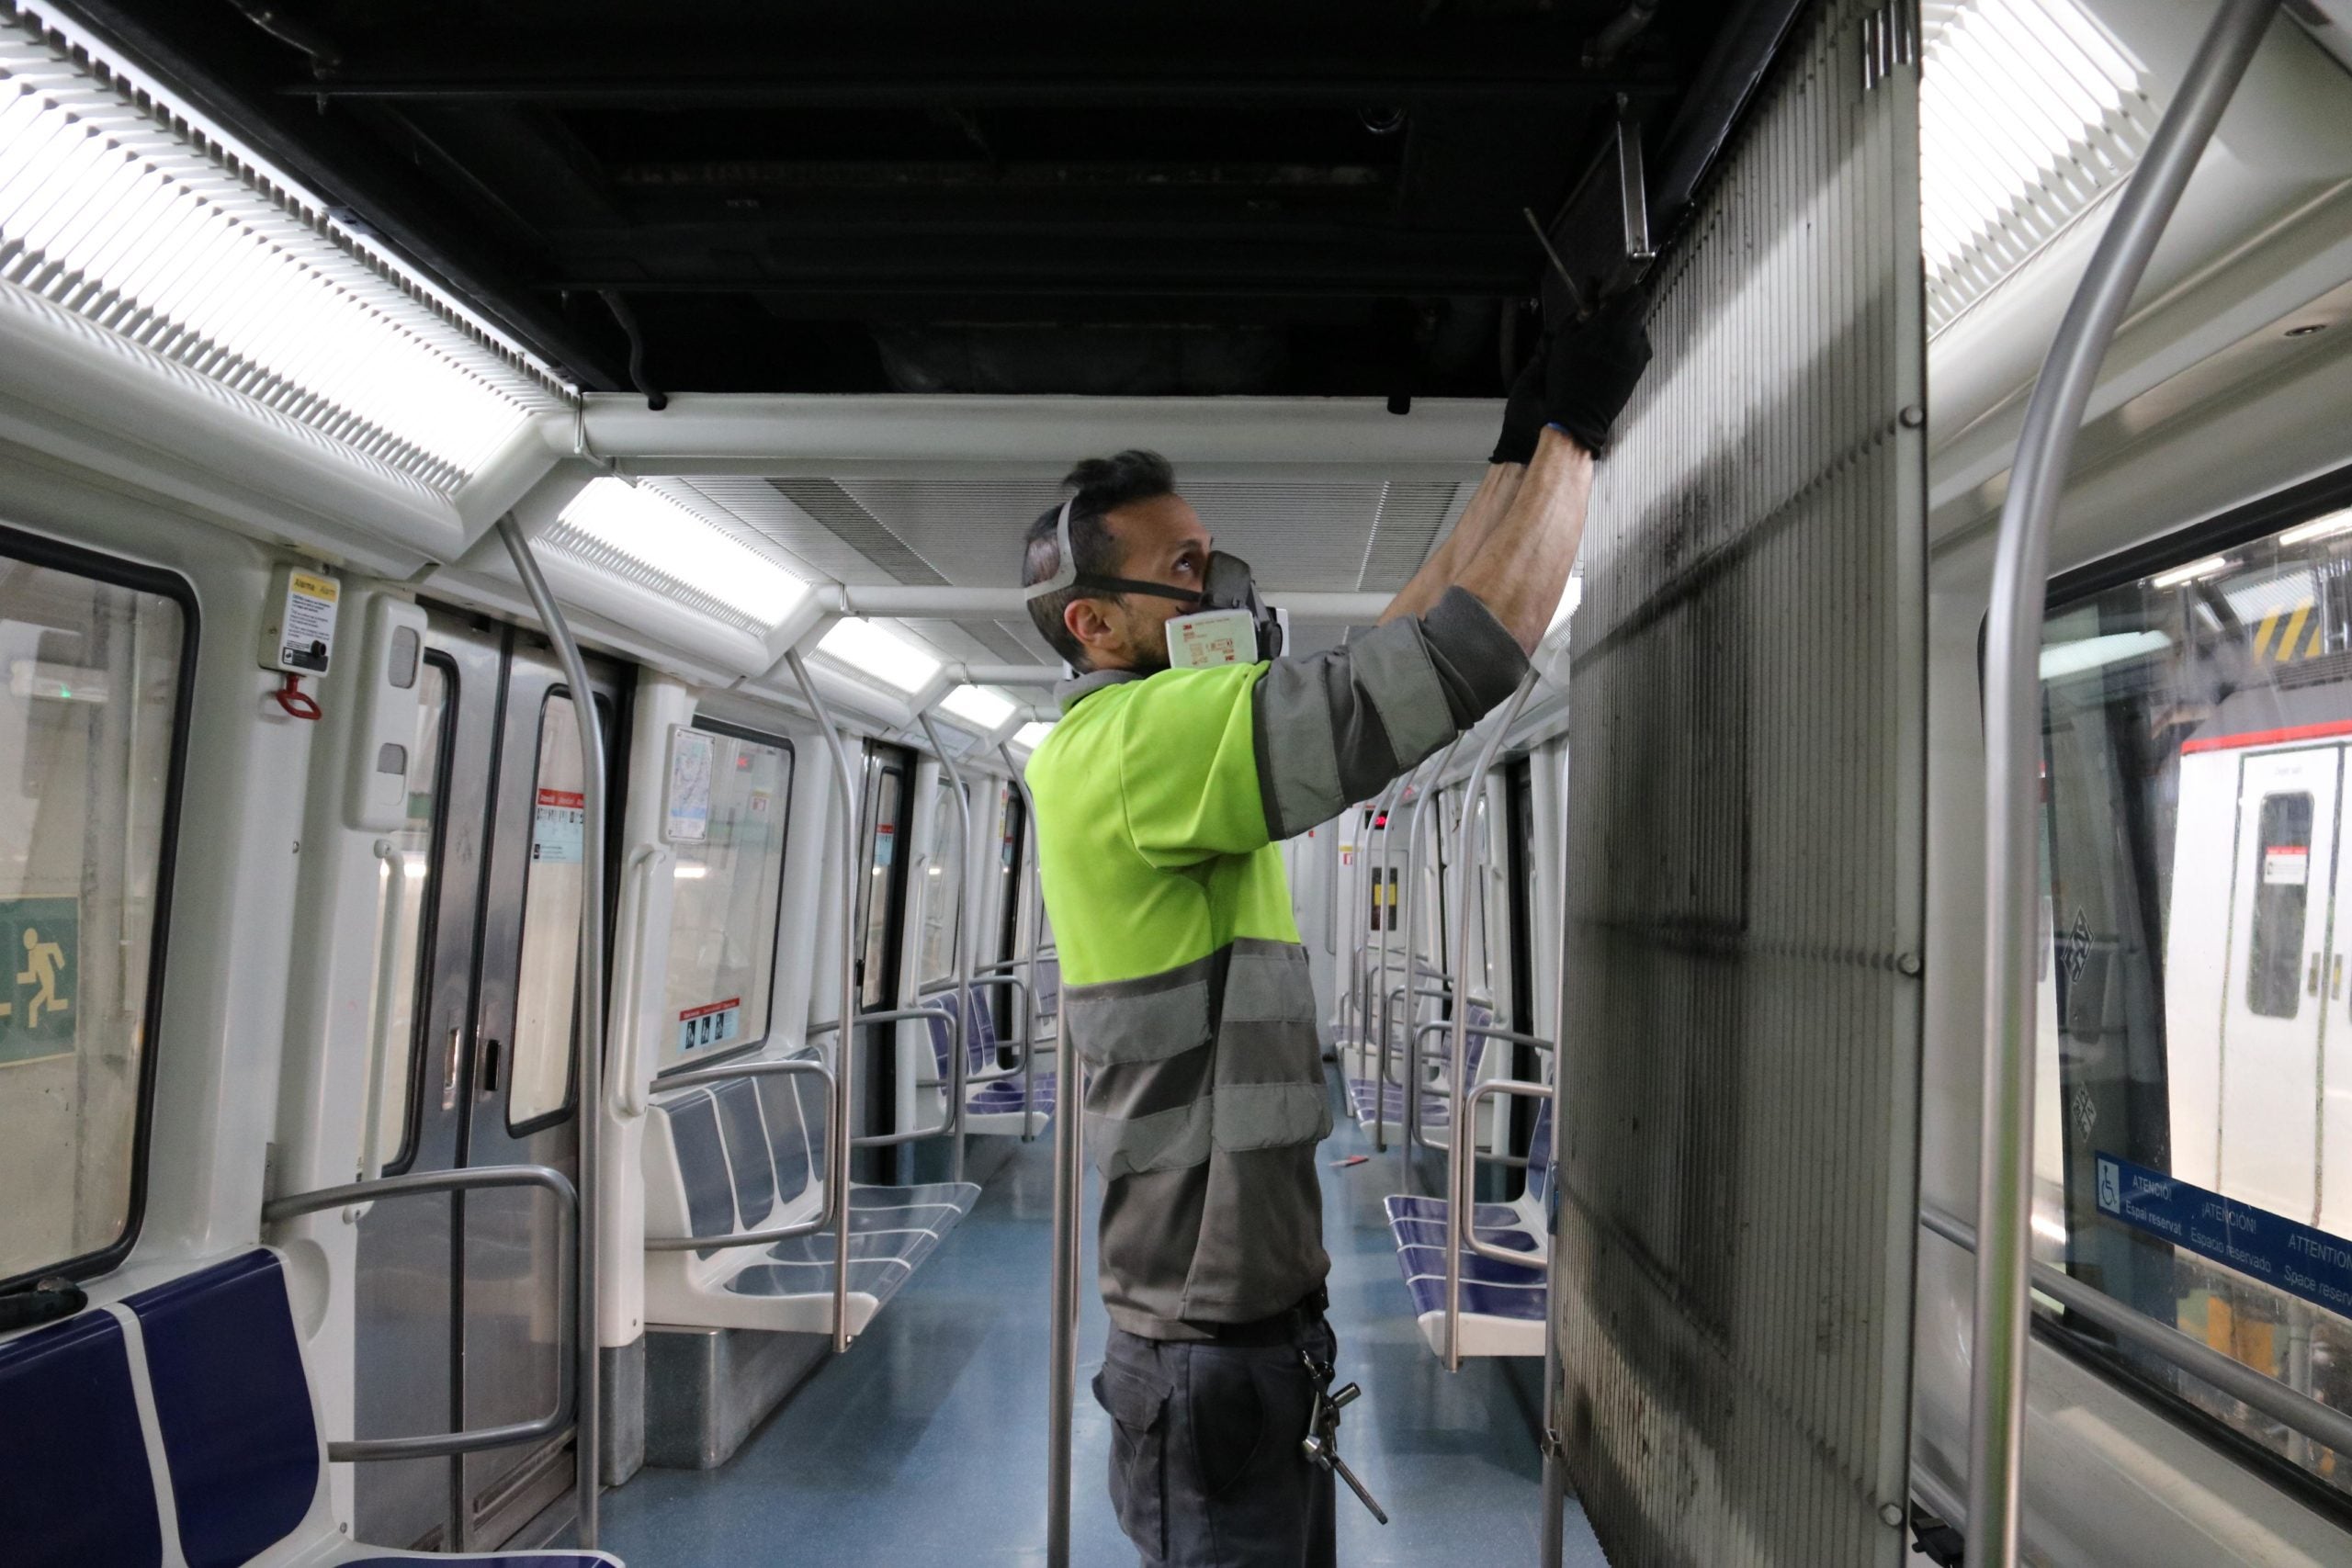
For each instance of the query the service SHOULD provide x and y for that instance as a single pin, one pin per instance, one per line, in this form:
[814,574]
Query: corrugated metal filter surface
[1742,1020]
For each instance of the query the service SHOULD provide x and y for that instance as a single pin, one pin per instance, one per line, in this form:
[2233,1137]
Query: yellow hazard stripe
[2294,634]
[2269,624]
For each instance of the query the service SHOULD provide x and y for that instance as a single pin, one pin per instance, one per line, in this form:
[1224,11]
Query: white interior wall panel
[1735,1225]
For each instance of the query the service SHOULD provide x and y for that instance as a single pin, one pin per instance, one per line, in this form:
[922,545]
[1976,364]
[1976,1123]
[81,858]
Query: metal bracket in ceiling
[1890,38]
[1633,182]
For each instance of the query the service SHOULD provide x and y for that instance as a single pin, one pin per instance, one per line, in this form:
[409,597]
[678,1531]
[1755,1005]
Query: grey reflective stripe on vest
[1150,1020]
[1336,727]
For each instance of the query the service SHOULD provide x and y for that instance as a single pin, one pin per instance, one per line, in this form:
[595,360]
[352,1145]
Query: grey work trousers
[1207,1471]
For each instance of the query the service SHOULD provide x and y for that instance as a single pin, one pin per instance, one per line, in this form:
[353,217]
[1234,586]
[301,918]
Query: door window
[2194,1137]
[942,892]
[547,984]
[91,705]
[723,911]
[2281,895]
[408,884]
[876,899]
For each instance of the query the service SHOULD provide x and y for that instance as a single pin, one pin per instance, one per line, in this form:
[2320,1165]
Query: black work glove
[1593,368]
[1524,415]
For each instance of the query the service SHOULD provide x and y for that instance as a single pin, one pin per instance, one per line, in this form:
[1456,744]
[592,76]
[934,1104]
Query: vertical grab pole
[1385,915]
[837,1156]
[1553,1543]
[1424,804]
[1463,1133]
[1029,1013]
[2012,748]
[1069,1176]
[589,1045]
[958,1068]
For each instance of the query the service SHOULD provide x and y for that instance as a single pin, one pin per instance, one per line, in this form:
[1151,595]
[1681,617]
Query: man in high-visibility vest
[1161,797]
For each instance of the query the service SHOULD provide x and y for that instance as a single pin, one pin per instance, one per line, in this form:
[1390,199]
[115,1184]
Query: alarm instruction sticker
[309,633]
[559,824]
[710,1024]
[40,966]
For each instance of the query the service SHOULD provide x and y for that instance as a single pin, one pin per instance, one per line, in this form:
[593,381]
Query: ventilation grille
[114,206]
[2029,113]
[1740,1035]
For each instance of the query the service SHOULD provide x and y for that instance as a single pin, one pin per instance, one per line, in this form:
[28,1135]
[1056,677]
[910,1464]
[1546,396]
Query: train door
[881,919]
[2281,980]
[453,1293]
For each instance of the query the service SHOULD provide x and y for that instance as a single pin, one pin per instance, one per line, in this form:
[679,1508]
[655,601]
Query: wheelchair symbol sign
[2110,1187]
[40,954]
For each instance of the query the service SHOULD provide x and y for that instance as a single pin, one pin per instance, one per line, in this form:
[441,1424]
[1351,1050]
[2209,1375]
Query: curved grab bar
[1525,1089]
[387,942]
[2021,588]
[434,1445]
[966,887]
[1425,810]
[1458,1168]
[631,1095]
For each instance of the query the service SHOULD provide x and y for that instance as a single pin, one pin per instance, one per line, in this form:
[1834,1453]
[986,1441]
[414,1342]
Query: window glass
[874,898]
[548,985]
[942,891]
[2194,1139]
[406,889]
[723,911]
[88,716]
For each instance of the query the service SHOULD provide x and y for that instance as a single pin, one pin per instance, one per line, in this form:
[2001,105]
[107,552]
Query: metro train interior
[529,1030]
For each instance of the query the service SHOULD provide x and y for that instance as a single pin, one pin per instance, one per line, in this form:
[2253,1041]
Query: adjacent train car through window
[729,889]
[2195,1145]
[98,656]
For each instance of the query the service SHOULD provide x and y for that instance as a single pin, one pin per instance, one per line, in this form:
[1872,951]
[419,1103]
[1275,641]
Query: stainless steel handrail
[999,1075]
[1527,1090]
[630,1096]
[588,1043]
[966,919]
[838,1151]
[379,1025]
[2298,1413]
[2012,756]
[1385,921]
[440,1445]
[822,1220]
[1426,807]
[1032,1014]
[1457,1168]
[1489,1032]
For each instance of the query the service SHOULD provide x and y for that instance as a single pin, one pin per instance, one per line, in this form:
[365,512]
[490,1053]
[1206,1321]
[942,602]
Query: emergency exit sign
[40,969]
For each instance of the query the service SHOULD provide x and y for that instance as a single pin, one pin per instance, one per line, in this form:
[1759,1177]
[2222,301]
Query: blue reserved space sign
[2297,1258]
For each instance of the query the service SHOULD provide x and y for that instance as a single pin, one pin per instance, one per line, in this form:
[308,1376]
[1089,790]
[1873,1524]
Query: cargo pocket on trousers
[1138,1411]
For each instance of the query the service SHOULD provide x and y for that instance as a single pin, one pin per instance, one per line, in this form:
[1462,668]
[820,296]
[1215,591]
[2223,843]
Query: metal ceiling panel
[1733,1247]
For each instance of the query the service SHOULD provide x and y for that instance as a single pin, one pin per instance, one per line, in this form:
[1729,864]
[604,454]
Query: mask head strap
[1067,575]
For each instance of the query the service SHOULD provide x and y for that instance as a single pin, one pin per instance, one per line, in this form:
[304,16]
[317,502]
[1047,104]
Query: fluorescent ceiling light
[869,649]
[2064,659]
[980,706]
[2325,527]
[657,535]
[2028,113]
[2190,573]
[1029,736]
[111,208]
[687,873]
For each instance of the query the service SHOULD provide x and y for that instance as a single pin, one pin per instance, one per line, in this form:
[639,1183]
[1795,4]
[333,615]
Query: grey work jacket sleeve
[1334,727]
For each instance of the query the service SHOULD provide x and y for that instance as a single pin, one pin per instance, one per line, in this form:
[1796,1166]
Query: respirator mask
[1227,623]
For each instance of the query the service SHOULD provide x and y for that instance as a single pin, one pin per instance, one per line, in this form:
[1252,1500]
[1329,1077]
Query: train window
[885,791]
[546,986]
[724,910]
[942,893]
[2194,1142]
[91,718]
[409,886]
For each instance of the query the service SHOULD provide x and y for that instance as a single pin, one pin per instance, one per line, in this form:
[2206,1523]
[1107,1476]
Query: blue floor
[926,1443]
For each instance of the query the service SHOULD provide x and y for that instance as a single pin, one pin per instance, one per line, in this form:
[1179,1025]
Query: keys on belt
[1321,1444]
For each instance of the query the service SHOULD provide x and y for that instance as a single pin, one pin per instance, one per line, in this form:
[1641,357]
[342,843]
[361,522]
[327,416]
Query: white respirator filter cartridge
[1211,637]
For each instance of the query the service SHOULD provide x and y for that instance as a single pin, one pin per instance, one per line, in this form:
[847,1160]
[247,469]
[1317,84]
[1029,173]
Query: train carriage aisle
[707,709]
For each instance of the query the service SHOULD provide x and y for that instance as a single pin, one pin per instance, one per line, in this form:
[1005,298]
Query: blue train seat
[1369,1098]
[994,1098]
[1502,1303]
[232,1469]
[750,1156]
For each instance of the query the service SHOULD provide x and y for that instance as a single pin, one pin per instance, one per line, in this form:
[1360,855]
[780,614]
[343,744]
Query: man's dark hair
[1102,486]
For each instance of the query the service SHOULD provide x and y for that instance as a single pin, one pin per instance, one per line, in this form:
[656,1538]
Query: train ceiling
[1318,197]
